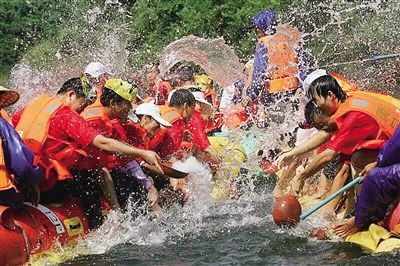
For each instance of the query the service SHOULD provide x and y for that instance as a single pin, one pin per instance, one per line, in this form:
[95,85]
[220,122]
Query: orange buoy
[286,211]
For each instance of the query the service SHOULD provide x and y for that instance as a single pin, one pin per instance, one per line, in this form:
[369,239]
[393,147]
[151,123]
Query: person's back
[55,131]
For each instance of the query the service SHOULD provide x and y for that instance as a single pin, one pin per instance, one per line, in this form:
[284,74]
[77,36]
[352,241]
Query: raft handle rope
[375,58]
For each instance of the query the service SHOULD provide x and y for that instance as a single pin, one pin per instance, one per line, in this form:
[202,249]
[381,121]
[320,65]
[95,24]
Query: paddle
[171,172]
[310,211]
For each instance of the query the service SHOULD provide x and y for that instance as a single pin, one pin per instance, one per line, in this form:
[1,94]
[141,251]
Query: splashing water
[215,57]
[241,230]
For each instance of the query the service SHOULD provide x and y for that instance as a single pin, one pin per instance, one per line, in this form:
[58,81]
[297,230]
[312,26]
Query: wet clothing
[130,192]
[197,129]
[66,128]
[18,161]
[356,128]
[381,186]
[168,141]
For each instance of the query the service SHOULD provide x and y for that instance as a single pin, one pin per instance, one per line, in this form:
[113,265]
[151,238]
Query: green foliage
[157,23]
[24,23]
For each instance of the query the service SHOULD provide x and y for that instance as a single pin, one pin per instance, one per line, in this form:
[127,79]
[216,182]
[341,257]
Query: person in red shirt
[148,122]
[197,128]
[177,113]
[354,129]
[59,136]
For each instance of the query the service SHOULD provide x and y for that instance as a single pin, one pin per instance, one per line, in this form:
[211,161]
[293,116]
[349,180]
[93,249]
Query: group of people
[103,137]
[96,139]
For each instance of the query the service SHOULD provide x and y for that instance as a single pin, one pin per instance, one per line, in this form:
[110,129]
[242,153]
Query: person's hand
[34,194]
[297,184]
[180,185]
[153,196]
[213,155]
[367,169]
[284,159]
[152,159]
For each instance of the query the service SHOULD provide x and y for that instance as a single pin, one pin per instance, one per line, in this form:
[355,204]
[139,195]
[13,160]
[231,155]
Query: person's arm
[259,71]
[117,147]
[213,155]
[314,166]
[315,141]
[108,188]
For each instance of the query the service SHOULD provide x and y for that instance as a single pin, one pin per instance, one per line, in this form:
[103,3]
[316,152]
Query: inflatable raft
[34,230]
[380,238]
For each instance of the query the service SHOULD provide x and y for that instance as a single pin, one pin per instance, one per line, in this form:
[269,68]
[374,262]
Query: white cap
[199,96]
[153,111]
[311,77]
[170,94]
[96,69]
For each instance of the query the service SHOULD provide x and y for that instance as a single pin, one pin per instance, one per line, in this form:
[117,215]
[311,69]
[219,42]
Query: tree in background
[157,23]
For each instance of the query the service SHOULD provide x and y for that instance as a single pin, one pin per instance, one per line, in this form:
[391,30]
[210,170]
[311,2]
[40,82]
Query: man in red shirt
[59,136]
[177,113]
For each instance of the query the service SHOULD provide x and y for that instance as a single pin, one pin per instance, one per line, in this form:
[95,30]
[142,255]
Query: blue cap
[265,21]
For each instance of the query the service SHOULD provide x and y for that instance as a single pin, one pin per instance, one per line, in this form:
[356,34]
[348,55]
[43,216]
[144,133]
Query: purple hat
[265,21]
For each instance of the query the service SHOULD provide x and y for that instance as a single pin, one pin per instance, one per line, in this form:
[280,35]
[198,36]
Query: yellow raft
[377,239]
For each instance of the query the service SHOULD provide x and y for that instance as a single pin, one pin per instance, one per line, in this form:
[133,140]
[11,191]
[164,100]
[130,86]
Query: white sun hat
[311,77]
[96,69]
[153,111]
[199,96]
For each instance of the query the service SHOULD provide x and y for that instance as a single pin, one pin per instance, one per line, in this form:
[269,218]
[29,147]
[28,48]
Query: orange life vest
[6,179]
[34,128]
[171,116]
[283,61]
[384,109]
[169,113]
[96,111]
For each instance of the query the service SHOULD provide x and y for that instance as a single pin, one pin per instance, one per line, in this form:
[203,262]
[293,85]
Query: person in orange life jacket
[97,73]
[58,144]
[147,121]
[339,168]
[278,65]
[359,136]
[197,127]
[19,177]
[177,113]
[109,117]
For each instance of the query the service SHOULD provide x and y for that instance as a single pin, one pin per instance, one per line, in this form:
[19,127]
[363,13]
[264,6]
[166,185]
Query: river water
[211,232]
